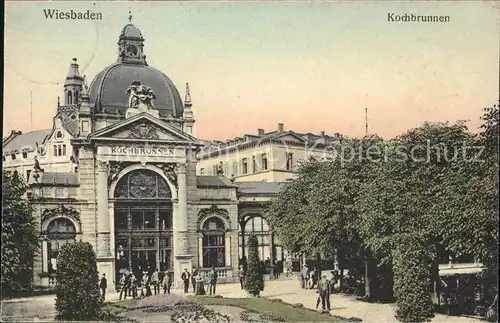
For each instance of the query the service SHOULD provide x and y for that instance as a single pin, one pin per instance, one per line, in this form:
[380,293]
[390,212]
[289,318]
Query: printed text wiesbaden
[71,15]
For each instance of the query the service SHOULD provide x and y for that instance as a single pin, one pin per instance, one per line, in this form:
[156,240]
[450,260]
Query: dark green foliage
[19,236]
[271,317]
[77,284]
[254,280]
[412,265]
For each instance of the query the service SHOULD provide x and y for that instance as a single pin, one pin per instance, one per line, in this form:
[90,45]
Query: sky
[314,66]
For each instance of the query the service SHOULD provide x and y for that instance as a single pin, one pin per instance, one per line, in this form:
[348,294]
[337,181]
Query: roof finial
[187,98]
[130,15]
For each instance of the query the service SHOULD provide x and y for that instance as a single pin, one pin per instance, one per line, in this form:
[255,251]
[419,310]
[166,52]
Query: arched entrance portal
[143,223]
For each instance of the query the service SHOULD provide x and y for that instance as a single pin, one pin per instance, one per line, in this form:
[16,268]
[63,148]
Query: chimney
[280,127]
[322,133]
[260,132]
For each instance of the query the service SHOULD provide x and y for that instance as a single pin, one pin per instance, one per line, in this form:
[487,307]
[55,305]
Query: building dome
[108,90]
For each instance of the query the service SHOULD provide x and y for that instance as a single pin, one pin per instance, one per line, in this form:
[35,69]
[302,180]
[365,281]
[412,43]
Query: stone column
[103,235]
[181,245]
[181,218]
[227,248]
[45,256]
[200,250]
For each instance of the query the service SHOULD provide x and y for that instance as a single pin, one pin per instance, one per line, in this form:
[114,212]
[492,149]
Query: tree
[19,235]
[404,204]
[254,280]
[77,283]
[316,211]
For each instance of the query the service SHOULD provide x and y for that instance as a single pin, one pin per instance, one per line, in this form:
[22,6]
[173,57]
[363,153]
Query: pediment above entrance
[143,128]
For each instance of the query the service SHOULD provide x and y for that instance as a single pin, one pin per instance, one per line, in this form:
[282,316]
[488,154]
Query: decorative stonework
[114,169]
[61,210]
[143,131]
[170,171]
[214,209]
[141,97]
[102,166]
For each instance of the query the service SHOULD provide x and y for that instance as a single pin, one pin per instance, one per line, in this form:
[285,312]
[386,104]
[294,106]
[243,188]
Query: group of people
[198,280]
[311,278]
[130,285]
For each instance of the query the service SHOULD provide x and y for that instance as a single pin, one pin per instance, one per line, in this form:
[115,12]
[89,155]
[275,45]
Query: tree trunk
[368,277]
[492,313]
[341,262]
[436,295]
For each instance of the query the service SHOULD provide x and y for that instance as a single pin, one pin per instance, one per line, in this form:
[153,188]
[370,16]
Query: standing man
[193,278]
[324,291]
[212,276]
[303,276]
[103,285]
[155,278]
[241,276]
[166,283]
[185,278]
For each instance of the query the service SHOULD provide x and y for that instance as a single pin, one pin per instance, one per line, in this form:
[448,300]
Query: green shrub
[254,280]
[77,284]
[412,272]
[272,317]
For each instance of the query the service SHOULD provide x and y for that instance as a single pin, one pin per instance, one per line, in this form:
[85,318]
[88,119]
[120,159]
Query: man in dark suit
[185,278]
[212,276]
[103,285]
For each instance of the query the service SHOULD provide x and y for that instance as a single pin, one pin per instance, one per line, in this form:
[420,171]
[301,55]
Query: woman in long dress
[200,288]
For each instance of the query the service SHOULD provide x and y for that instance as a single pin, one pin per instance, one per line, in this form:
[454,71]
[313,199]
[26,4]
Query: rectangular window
[59,151]
[137,222]
[254,165]
[64,150]
[28,172]
[55,150]
[165,220]
[25,154]
[202,170]
[289,161]
[85,126]
[13,156]
[149,219]
[60,192]
[235,169]
[121,219]
[264,162]
[244,166]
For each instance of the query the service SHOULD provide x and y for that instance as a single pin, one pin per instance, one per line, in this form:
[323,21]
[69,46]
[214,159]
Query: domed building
[118,169]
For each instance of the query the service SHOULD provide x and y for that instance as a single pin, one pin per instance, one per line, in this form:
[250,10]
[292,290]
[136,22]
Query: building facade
[118,169]
[265,156]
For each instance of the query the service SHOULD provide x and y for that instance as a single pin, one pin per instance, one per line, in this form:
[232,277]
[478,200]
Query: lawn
[264,305]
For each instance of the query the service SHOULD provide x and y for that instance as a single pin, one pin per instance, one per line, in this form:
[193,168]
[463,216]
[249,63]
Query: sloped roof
[26,141]
[213,181]
[263,188]
[57,179]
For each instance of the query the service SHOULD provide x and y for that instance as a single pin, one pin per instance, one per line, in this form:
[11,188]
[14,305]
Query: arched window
[60,231]
[214,243]
[142,184]
[70,97]
[258,226]
[77,97]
